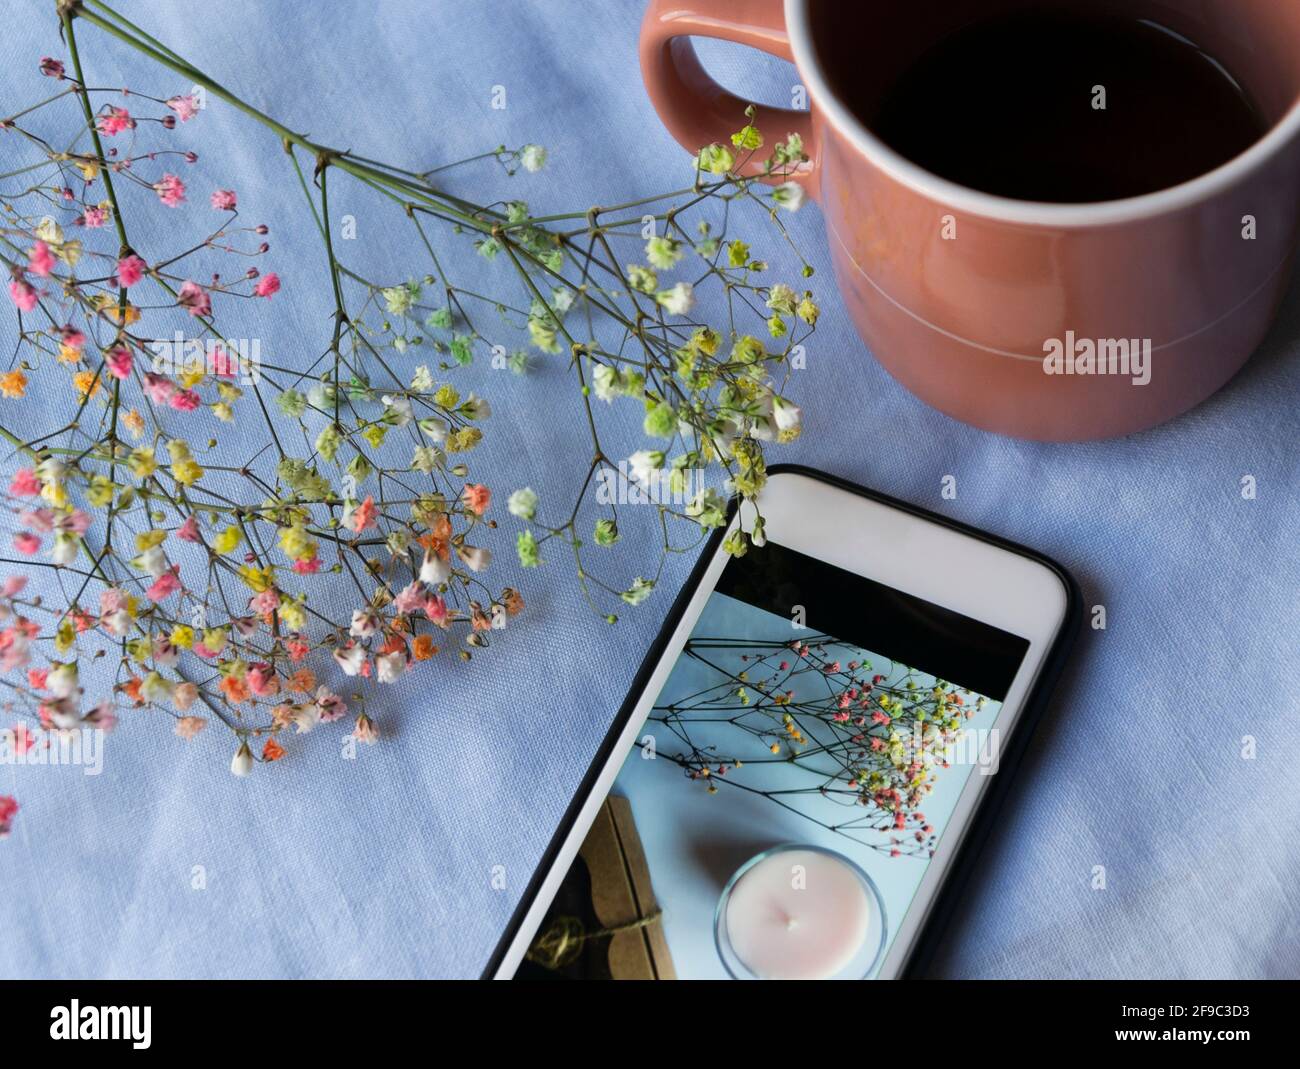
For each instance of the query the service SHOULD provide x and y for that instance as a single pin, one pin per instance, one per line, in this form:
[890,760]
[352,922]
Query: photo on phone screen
[778,809]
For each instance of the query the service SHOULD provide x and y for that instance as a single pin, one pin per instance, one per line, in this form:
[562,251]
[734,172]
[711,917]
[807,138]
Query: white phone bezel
[908,552]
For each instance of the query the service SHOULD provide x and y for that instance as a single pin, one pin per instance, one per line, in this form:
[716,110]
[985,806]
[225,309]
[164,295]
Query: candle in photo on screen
[800,913]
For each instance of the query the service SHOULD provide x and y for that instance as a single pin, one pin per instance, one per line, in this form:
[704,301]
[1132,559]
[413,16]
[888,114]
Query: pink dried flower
[16,650]
[262,680]
[159,388]
[130,269]
[8,809]
[267,285]
[184,400]
[223,365]
[40,261]
[267,601]
[224,200]
[94,217]
[119,362]
[24,740]
[25,483]
[51,68]
[330,707]
[189,530]
[165,585]
[27,543]
[22,294]
[194,298]
[39,520]
[410,599]
[436,610]
[185,106]
[101,717]
[171,190]
[114,121]
[76,522]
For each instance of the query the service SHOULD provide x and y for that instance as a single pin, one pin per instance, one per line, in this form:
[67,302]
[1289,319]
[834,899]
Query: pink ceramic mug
[1194,273]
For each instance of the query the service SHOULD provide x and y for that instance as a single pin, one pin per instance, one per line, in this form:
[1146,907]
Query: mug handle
[698,111]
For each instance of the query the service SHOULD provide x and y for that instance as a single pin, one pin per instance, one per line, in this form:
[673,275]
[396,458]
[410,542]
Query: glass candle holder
[798,912]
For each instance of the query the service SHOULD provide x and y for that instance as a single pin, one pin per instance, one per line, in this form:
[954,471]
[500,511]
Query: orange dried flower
[364,515]
[13,383]
[477,498]
[235,689]
[303,681]
[438,539]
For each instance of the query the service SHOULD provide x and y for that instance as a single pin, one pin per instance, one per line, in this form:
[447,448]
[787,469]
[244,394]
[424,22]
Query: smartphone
[811,754]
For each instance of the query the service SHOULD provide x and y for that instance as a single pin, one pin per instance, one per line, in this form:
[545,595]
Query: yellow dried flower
[86,382]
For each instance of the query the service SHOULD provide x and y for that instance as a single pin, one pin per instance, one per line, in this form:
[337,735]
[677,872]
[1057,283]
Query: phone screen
[779,807]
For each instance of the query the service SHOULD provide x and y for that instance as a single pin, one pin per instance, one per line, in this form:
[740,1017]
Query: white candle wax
[798,915]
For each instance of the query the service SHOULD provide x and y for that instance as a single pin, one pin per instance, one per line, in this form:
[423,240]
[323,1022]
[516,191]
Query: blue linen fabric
[384,865]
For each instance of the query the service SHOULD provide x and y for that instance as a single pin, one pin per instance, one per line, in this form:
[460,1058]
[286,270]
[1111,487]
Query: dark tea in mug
[1059,106]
